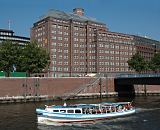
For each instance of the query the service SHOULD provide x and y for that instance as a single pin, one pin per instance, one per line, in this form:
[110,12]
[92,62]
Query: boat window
[55,110]
[70,111]
[77,111]
[63,111]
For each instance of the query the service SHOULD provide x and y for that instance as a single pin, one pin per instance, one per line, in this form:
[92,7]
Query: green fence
[14,74]
[2,74]
[18,74]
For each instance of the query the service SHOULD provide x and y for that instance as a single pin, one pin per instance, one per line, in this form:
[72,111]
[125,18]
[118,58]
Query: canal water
[23,117]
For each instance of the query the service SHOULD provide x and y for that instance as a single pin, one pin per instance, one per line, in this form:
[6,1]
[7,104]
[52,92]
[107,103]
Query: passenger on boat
[65,104]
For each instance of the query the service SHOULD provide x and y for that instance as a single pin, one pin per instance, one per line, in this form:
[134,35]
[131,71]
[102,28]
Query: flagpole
[9,24]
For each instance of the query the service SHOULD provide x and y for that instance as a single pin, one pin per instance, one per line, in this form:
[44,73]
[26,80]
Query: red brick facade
[61,86]
[51,86]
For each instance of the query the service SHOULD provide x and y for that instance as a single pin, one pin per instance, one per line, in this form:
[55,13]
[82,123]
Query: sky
[137,17]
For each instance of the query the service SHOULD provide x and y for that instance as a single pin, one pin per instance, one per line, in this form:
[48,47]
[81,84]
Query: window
[59,32]
[59,44]
[54,25]
[77,111]
[117,63]
[112,52]
[70,111]
[106,63]
[65,68]
[53,43]
[81,63]
[75,57]
[75,45]
[81,51]
[101,45]
[60,56]
[75,28]
[76,51]
[59,50]
[65,45]
[60,63]
[112,58]
[65,51]
[66,27]
[54,62]
[59,26]
[63,111]
[66,63]
[75,39]
[54,68]
[53,50]
[111,46]
[117,47]
[106,51]
[106,46]
[59,68]
[65,57]
[53,37]
[65,33]
[65,39]
[76,34]
[54,56]
[55,110]
[75,63]
[54,32]
[117,58]
[59,38]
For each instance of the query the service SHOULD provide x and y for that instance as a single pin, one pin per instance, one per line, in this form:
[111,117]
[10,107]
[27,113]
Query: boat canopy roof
[106,104]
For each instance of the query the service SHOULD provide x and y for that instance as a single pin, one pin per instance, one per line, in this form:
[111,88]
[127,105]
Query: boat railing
[103,109]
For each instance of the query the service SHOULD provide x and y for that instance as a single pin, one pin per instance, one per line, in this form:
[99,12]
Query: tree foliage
[138,63]
[28,58]
[34,58]
[9,55]
[155,62]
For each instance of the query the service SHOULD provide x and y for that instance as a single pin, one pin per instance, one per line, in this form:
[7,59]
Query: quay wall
[147,89]
[52,86]
[18,89]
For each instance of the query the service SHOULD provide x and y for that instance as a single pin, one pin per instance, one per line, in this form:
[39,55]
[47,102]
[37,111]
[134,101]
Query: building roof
[5,30]
[147,39]
[67,16]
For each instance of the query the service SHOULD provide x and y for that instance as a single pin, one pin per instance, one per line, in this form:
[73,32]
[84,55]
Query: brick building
[79,44]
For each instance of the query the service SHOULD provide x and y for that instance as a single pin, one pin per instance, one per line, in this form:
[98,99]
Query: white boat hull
[68,118]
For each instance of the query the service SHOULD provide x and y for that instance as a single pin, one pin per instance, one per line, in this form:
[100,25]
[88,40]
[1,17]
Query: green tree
[138,63]
[29,58]
[9,56]
[34,58]
[155,62]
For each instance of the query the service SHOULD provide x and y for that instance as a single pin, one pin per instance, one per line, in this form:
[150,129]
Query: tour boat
[84,112]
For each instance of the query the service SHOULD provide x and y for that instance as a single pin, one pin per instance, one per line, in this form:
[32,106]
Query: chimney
[78,11]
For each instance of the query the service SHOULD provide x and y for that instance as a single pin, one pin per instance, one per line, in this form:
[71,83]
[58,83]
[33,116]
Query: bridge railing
[137,75]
